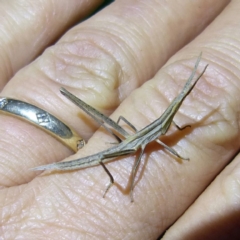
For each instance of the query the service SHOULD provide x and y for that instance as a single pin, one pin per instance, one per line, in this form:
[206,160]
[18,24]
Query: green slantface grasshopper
[131,143]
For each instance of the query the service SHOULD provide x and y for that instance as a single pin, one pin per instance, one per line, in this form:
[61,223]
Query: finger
[27,27]
[66,196]
[166,188]
[215,214]
[103,59]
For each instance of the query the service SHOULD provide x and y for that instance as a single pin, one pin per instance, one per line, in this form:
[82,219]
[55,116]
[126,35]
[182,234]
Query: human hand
[105,60]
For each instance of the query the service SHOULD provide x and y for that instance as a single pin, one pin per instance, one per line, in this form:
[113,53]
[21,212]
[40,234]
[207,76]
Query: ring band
[43,120]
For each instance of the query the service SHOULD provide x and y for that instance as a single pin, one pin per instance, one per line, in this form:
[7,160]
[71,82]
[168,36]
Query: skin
[106,60]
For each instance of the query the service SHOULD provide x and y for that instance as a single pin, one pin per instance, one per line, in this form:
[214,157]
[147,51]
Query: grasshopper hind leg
[135,167]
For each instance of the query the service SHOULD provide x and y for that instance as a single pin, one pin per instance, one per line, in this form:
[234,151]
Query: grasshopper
[139,140]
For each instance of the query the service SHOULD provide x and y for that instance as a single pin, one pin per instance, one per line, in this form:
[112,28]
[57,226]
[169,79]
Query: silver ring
[43,120]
